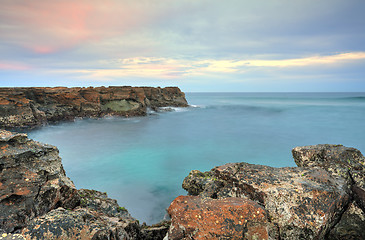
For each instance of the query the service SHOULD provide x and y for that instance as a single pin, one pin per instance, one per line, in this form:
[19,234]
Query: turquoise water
[142,162]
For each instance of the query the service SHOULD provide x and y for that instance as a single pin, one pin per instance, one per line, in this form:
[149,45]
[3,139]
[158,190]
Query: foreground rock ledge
[319,200]
[34,106]
[38,201]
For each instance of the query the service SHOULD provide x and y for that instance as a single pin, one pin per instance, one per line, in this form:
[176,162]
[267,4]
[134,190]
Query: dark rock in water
[349,163]
[194,217]
[26,107]
[302,203]
[32,181]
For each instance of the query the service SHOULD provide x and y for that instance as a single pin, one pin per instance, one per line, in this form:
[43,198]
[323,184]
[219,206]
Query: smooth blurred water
[142,162]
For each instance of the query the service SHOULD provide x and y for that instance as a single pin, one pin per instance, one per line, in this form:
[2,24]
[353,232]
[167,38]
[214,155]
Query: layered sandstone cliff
[34,106]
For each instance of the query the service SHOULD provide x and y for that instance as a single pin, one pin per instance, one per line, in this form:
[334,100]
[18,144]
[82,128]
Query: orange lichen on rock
[194,217]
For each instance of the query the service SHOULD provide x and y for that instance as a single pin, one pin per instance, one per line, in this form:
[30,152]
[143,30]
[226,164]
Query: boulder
[194,217]
[302,203]
[340,161]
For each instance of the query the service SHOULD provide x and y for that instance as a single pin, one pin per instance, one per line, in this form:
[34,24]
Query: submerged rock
[26,107]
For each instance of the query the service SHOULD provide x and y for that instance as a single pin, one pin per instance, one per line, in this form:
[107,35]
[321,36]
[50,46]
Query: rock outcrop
[320,199]
[32,181]
[302,203]
[38,200]
[340,162]
[34,106]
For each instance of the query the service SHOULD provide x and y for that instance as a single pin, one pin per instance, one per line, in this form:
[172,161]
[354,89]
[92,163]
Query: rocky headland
[35,106]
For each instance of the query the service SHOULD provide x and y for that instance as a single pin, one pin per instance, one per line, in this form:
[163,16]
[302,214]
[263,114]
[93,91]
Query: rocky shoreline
[322,198]
[38,200]
[35,106]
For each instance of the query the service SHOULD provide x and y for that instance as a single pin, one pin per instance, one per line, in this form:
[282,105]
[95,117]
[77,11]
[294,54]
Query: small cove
[142,161]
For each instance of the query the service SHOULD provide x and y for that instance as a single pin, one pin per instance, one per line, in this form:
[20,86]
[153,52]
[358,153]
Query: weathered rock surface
[26,107]
[302,203]
[32,181]
[351,225]
[339,160]
[81,223]
[349,163]
[195,217]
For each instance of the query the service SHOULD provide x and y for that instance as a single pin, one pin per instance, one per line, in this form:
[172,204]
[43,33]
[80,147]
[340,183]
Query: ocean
[142,161]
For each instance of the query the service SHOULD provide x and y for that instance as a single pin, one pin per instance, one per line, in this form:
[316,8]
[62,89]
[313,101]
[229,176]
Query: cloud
[13,66]
[168,68]
[181,40]
[50,26]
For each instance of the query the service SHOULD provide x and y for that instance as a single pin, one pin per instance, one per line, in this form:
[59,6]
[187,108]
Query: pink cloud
[45,26]
[13,66]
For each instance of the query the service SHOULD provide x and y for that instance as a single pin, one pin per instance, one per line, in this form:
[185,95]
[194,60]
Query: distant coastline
[35,106]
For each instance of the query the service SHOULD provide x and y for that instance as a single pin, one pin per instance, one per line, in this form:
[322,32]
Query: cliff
[34,106]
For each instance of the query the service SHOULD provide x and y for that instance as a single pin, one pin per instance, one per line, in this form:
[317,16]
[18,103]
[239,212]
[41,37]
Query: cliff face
[24,107]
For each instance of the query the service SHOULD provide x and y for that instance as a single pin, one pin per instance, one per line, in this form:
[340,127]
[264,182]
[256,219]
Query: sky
[197,45]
